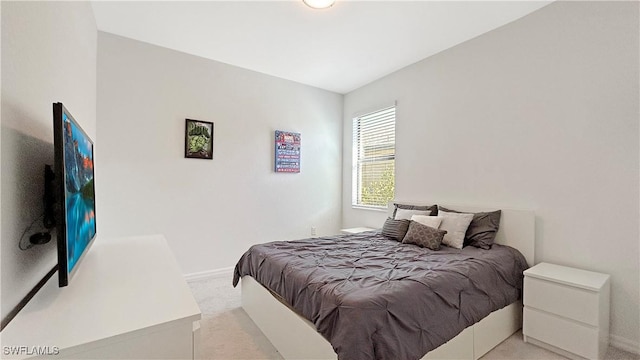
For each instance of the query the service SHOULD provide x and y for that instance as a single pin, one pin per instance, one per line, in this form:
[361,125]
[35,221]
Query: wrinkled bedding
[375,298]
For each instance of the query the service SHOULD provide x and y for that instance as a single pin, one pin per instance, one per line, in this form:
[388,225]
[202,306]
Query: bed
[381,327]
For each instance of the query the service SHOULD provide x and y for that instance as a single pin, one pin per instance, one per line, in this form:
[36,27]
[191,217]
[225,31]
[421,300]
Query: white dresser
[128,300]
[566,310]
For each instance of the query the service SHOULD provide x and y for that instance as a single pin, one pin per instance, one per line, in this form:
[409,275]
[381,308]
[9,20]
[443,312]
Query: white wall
[211,211]
[540,114]
[48,55]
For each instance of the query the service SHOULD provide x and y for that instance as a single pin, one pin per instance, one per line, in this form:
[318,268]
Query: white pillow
[402,214]
[433,221]
[456,225]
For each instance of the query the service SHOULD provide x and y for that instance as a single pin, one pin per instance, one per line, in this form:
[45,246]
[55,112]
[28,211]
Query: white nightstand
[566,310]
[356,230]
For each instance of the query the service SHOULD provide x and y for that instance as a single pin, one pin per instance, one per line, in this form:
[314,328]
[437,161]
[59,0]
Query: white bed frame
[296,338]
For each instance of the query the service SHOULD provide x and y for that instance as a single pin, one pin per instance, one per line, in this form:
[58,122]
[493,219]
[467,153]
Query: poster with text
[287,152]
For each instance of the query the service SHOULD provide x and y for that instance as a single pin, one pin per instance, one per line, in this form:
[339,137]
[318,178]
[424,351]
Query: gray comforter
[375,298]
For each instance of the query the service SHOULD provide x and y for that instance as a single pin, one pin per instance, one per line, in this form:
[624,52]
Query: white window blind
[374,152]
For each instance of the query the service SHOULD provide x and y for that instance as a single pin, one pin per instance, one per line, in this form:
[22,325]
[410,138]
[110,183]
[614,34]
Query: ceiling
[337,49]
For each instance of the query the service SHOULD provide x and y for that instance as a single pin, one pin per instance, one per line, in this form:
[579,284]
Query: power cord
[37,238]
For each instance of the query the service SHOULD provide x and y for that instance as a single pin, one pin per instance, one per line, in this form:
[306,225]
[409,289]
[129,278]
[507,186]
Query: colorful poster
[198,139]
[287,152]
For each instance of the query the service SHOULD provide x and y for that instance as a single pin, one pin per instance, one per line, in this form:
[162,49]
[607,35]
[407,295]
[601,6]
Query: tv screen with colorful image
[75,177]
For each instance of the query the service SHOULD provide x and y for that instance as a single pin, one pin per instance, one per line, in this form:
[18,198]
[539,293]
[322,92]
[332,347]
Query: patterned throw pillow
[424,236]
[395,229]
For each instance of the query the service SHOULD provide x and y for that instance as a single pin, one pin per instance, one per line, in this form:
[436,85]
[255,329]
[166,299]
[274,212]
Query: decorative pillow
[432,208]
[424,236]
[395,229]
[433,221]
[456,225]
[483,228]
[407,214]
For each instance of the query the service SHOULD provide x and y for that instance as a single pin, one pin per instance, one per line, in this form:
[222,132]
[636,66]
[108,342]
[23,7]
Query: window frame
[356,174]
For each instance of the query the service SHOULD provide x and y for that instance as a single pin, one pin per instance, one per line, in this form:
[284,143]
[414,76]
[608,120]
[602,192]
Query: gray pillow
[432,208]
[424,236]
[482,231]
[395,229]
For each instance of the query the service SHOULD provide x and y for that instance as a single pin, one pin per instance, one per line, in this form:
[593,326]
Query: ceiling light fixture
[319,4]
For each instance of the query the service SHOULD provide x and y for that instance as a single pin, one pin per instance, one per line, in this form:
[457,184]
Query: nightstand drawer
[566,301]
[565,334]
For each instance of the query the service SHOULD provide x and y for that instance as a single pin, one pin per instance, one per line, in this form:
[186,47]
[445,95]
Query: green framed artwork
[198,139]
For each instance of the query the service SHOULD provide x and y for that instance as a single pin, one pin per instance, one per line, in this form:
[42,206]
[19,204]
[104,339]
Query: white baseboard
[624,344]
[215,273]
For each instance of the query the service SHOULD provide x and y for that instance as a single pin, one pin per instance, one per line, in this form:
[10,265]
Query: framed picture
[198,139]
[287,152]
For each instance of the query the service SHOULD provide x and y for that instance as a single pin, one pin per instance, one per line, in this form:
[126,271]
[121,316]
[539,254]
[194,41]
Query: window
[374,152]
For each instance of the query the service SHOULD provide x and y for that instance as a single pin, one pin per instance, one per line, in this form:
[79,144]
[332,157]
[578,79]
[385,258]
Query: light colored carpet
[228,333]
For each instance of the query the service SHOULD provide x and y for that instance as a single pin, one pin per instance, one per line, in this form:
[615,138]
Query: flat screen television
[75,206]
